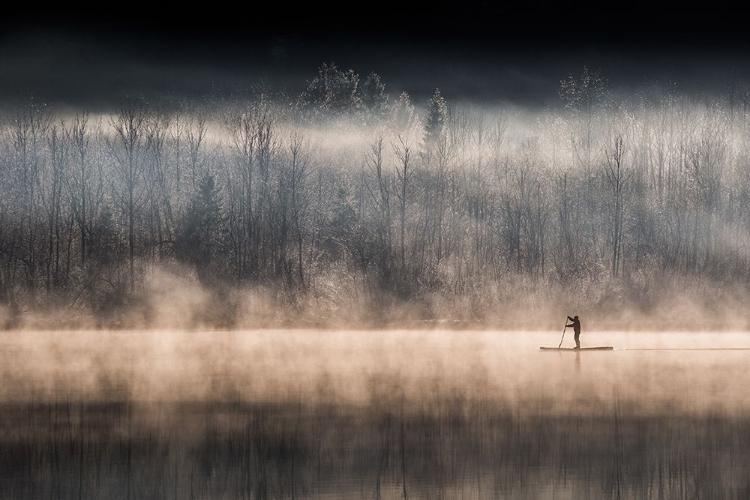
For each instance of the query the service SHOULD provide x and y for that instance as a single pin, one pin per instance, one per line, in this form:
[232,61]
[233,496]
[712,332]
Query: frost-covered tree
[437,117]
[128,149]
[333,91]
[582,95]
[373,96]
[614,196]
[618,177]
[404,115]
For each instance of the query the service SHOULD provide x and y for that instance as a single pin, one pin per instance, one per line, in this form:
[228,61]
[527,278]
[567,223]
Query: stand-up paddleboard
[601,348]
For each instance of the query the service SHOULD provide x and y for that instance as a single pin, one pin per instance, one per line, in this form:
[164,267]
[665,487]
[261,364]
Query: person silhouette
[576,325]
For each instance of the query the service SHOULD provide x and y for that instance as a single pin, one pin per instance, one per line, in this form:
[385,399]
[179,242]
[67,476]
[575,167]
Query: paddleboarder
[576,325]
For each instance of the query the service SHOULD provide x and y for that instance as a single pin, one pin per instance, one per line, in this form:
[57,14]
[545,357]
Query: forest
[346,205]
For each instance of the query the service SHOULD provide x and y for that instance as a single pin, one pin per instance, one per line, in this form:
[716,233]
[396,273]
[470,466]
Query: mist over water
[646,372]
[342,414]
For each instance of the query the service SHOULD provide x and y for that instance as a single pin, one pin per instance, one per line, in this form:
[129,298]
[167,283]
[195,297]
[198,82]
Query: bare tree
[29,130]
[298,175]
[128,149]
[242,130]
[253,141]
[160,221]
[79,181]
[195,135]
[379,187]
[52,202]
[706,165]
[404,173]
[618,178]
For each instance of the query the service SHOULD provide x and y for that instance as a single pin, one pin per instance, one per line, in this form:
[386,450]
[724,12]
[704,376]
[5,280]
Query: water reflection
[452,449]
[369,415]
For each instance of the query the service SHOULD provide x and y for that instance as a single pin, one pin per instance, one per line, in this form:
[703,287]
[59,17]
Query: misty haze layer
[371,414]
[649,373]
[345,204]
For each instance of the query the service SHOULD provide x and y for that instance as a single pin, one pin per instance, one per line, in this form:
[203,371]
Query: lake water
[373,414]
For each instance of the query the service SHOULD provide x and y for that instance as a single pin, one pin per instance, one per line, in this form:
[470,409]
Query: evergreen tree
[333,91]
[373,96]
[202,234]
[403,113]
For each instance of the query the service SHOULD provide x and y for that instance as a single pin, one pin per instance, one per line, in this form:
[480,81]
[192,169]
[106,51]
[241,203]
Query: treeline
[344,203]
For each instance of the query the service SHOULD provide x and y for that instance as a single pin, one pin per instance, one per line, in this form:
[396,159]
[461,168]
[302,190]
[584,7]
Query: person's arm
[570,319]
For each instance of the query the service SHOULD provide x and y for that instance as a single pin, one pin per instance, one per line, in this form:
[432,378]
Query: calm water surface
[372,414]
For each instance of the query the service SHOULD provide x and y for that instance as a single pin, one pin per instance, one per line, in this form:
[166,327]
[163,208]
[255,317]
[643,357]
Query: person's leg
[578,343]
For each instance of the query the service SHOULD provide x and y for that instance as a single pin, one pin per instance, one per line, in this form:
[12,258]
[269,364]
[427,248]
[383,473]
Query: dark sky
[482,51]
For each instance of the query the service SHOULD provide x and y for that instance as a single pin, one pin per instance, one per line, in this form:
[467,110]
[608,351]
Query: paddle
[563,335]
